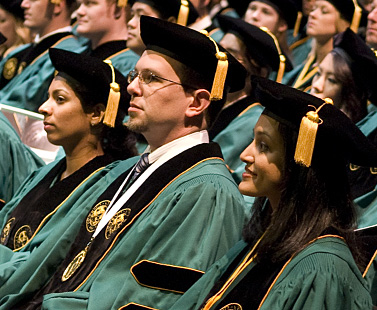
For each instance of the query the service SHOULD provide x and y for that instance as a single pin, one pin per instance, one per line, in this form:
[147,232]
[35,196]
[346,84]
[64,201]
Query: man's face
[134,41]
[371,33]
[38,14]
[95,18]
[157,109]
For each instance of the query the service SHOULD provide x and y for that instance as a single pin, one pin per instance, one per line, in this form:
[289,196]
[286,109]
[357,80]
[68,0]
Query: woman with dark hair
[299,249]
[84,112]
[347,75]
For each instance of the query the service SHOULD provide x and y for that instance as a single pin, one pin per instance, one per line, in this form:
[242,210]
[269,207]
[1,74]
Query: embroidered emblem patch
[116,221]
[232,306]
[95,216]
[9,70]
[6,230]
[22,236]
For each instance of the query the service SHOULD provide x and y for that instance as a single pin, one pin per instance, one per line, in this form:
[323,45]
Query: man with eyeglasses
[178,210]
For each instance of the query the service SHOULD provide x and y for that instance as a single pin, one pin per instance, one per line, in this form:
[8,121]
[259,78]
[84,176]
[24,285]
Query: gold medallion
[96,215]
[116,221]
[22,236]
[74,265]
[232,306]
[21,67]
[373,170]
[6,230]
[9,70]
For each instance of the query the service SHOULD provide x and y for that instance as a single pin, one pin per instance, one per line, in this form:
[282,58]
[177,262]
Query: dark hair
[313,200]
[117,142]
[353,96]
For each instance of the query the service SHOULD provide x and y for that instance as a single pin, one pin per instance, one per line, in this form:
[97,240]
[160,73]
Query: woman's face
[7,27]
[264,159]
[322,21]
[325,83]
[65,121]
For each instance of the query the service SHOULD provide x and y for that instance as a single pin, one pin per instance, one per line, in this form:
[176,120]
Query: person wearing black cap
[12,26]
[259,51]
[27,72]
[371,32]
[327,18]
[167,224]
[277,15]
[84,113]
[104,23]
[181,12]
[299,249]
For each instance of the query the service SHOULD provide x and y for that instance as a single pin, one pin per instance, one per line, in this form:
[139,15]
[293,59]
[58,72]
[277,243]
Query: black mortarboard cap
[180,9]
[363,61]
[13,7]
[286,9]
[349,12]
[261,45]
[2,38]
[240,6]
[336,137]
[107,83]
[195,50]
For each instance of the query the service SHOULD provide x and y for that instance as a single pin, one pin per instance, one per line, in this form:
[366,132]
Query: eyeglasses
[147,77]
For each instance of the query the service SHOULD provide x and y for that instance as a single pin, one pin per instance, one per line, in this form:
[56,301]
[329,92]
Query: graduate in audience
[299,249]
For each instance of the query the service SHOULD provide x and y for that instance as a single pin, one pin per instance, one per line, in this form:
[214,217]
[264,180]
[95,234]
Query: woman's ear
[97,114]
[201,101]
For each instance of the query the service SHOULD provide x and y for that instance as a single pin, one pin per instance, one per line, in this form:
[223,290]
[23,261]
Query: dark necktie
[140,167]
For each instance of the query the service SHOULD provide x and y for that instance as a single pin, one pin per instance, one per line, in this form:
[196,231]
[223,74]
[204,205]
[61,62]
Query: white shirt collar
[177,146]
[64,29]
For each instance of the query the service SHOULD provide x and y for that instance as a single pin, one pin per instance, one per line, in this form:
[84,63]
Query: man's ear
[97,114]
[199,103]
[118,11]
[59,7]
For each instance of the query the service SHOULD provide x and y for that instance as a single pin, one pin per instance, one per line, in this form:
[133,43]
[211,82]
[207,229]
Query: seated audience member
[299,249]
[27,72]
[165,225]
[276,15]
[172,10]
[260,54]
[82,115]
[11,26]
[327,18]
[104,23]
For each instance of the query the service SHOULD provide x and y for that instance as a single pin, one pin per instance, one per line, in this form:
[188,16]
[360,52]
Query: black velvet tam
[13,7]
[337,137]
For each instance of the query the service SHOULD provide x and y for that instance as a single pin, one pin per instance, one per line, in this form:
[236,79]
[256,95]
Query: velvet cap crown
[259,43]
[92,72]
[363,61]
[191,48]
[337,137]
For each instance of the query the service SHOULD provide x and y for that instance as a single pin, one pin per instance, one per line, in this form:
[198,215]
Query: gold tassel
[183,13]
[113,99]
[356,17]
[221,71]
[282,58]
[306,137]
[122,3]
[55,1]
[297,24]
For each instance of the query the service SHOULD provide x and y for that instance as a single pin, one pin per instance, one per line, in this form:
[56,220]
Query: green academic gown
[49,245]
[322,276]
[17,160]
[184,217]
[28,89]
